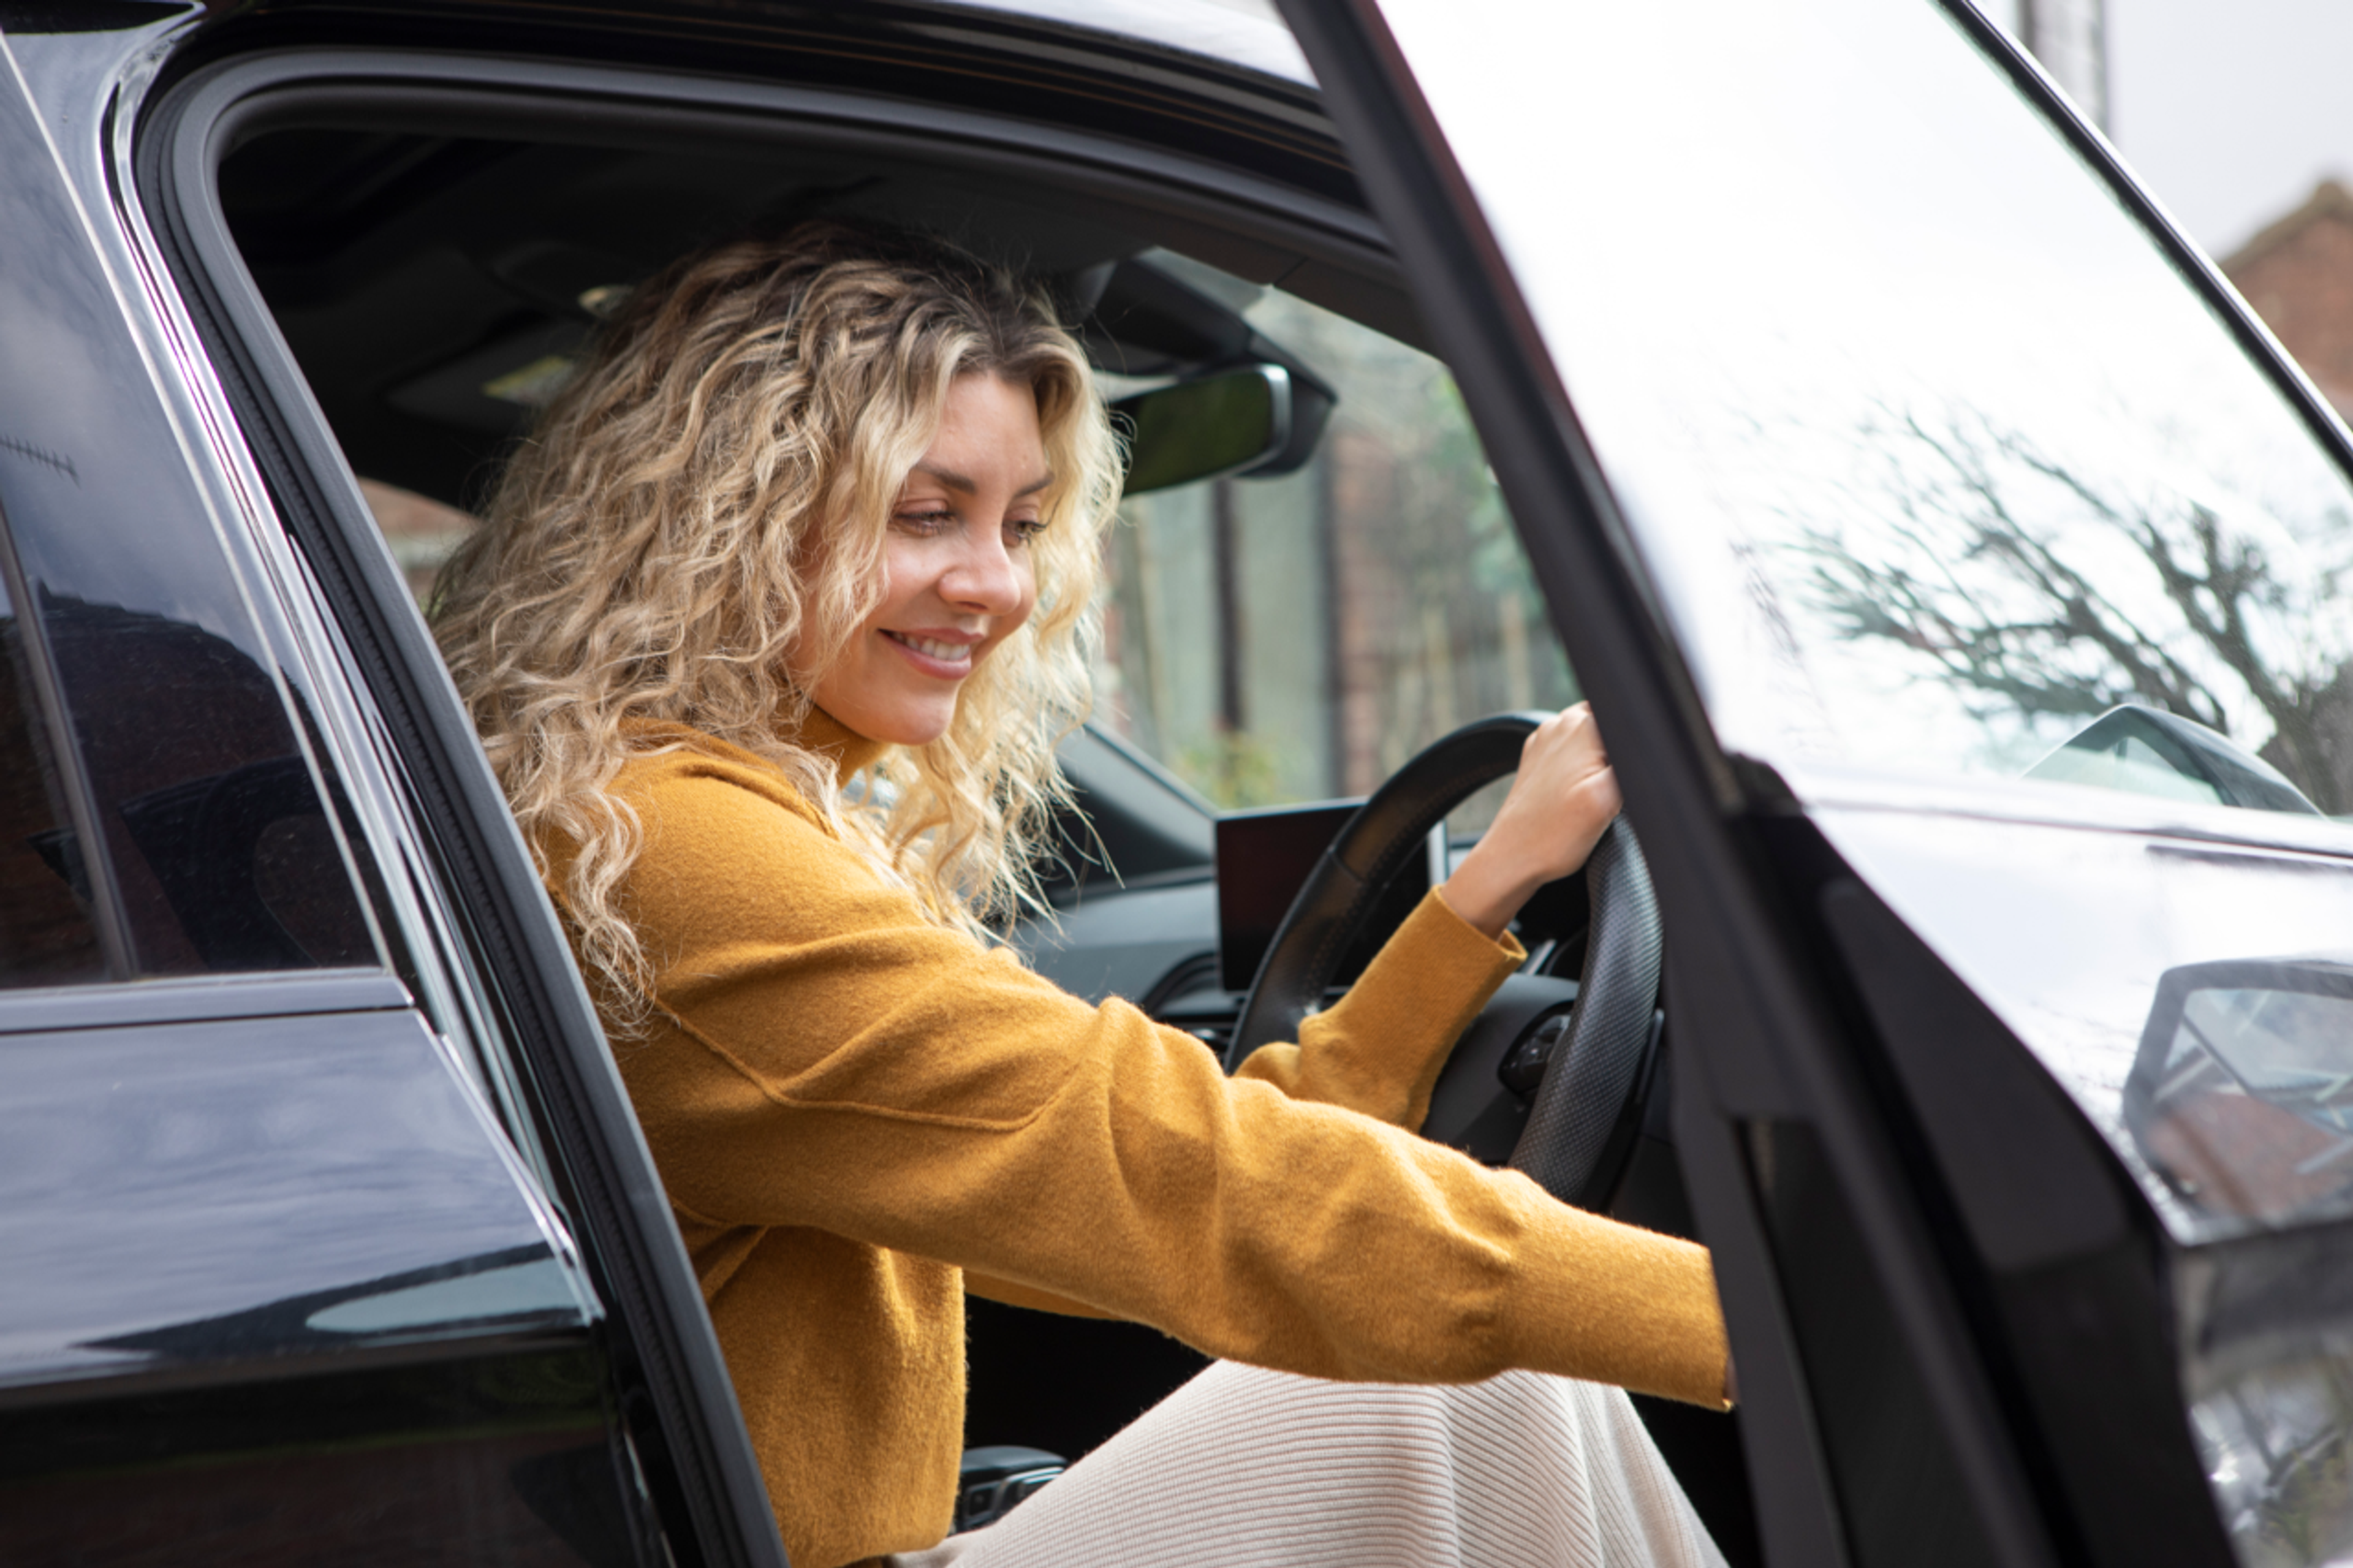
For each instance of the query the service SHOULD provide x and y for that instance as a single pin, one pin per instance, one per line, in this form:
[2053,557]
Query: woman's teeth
[954,652]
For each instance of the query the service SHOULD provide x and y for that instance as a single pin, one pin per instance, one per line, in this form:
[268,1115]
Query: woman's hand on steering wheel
[1560,804]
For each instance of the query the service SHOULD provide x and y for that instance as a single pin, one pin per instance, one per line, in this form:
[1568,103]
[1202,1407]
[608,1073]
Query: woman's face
[958,577]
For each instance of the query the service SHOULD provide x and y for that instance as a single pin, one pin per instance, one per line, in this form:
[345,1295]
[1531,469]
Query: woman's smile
[957,573]
[954,654]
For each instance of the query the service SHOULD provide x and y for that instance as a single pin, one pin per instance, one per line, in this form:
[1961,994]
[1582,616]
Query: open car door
[1947,553]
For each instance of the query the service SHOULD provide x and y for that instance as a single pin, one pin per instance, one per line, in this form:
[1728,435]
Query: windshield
[1934,455]
[1961,500]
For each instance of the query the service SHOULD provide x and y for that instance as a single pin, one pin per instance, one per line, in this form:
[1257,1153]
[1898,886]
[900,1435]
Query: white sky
[2229,110]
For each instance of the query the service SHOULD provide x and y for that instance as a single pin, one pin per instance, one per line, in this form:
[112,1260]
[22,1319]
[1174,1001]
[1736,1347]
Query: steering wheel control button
[1522,1065]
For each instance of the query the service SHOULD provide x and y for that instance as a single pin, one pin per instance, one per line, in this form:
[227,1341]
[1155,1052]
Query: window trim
[139,1004]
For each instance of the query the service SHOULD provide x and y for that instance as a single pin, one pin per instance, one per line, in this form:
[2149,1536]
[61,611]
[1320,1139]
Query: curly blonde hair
[709,492]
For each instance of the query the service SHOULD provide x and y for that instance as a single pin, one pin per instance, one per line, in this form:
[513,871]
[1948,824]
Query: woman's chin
[902,724]
[896,705]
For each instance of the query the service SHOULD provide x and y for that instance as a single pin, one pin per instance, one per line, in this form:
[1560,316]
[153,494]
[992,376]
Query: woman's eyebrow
[966,486]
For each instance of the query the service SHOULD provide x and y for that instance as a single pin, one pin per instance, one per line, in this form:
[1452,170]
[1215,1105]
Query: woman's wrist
[1485,892]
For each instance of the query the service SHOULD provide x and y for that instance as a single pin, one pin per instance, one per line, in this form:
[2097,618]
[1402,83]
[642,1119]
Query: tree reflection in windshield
[2042,595]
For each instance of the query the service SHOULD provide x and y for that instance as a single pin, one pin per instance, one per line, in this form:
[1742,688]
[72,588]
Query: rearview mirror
[1226,423]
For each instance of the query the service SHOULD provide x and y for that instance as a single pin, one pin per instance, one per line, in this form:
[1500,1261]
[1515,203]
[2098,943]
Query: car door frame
[99,1035]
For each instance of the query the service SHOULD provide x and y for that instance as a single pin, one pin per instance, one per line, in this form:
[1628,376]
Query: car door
[1922,513]
[305,1258]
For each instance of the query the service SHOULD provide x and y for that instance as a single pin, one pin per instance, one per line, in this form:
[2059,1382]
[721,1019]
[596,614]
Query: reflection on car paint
[2068,935]
[2144,970]
[519,1285]
[2241,1097]
[2266,1325]
[203,1191]
[2146,751]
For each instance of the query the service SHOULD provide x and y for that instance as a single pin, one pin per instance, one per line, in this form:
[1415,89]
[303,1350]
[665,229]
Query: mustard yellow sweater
[859,1115]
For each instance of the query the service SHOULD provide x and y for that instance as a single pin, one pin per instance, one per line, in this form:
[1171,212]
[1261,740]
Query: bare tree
[2005,609]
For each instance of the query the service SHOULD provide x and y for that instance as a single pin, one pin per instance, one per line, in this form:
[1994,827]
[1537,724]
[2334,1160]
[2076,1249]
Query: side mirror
[2239,1094]
[1226,423]
[2145,752]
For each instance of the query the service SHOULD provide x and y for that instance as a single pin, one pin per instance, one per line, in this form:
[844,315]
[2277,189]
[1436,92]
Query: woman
[770,637]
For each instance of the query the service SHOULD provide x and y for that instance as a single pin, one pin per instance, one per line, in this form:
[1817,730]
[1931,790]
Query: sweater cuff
[1440,937]
[1613,1303]
[1505,944]
[1429,979]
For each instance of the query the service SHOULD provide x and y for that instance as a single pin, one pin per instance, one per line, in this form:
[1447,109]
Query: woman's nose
[984,576]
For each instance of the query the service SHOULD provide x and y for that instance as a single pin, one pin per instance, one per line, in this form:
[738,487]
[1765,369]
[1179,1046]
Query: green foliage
[1236,769]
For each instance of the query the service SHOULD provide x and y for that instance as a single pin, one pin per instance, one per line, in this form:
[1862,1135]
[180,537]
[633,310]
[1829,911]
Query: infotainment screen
[1263,860]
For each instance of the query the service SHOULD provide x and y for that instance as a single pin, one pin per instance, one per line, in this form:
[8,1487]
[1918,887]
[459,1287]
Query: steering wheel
[1591,1075]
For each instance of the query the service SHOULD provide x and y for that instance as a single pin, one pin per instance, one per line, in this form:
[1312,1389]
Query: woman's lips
[948,660]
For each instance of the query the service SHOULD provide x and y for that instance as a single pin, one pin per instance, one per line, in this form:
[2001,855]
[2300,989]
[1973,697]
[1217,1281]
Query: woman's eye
[924,521]
[1024,530]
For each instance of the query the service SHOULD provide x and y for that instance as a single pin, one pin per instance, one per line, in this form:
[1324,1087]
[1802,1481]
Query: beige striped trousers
[1247,1468]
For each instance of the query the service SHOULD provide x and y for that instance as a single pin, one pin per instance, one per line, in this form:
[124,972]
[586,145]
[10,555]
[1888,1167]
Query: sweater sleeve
[1379,1048]
[843,1064]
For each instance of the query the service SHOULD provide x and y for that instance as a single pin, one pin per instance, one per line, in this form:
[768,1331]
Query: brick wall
[2298,275]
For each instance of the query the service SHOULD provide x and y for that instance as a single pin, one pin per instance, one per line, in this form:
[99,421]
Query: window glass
[1935,454]
[47,937]
[1296,638]
[219,846]
[422,533]
[210,821]
[1271,638]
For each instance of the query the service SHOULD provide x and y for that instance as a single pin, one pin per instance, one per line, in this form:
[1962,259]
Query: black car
[1952,559]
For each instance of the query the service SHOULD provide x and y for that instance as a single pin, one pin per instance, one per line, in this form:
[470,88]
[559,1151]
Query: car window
[1270,638]
[1936,455]
[1292,639]
[217,839]
[423,534]
[46,936]
[210,846]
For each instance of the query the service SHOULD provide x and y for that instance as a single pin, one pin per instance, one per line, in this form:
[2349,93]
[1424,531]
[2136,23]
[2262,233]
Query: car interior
[434,266]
